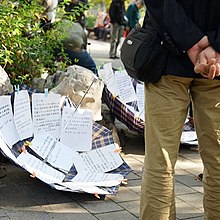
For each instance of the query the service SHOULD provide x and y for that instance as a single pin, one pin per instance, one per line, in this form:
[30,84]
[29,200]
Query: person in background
[191,34]
[99,23]
[75,42]
[118,24]
[133,14]
[104,31]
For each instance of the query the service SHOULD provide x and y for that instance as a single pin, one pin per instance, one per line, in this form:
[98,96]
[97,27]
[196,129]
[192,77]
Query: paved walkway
[25,198]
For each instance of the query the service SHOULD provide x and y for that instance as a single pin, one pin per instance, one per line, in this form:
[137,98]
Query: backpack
[143,54]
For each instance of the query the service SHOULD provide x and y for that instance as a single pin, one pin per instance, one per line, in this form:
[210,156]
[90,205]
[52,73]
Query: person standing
[118,24]
[133,14]
[191,34]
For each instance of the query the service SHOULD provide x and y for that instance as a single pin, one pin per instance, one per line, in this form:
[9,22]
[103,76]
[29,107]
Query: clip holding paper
[17,88]
[118,150]
[33,175]
[97,195]
[46,92]
[124,181]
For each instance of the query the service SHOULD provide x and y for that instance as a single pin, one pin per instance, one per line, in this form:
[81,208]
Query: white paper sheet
[188,136]
[42,171]
[108,76]
[54,152]
[125,87]
[22,114]
[140,99]
[8,130]
[99,160]
[70,186]
[46,113]
[76,129]
[97,179]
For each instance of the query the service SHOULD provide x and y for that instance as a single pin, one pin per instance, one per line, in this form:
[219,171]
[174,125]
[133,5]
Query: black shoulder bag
[143,54]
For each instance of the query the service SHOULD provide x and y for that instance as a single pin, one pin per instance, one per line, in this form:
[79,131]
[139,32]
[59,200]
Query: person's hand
[197,48]
[208,63]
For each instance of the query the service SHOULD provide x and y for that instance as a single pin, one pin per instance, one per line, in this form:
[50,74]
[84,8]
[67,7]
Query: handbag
[143,54]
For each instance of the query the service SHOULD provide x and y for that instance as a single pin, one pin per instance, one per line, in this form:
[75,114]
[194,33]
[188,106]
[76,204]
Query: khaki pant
[166,109]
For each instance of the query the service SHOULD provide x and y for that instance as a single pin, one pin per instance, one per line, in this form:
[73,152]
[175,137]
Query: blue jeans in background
[82,59]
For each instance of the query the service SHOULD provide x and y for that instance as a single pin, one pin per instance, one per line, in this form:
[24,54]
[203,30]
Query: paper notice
[54,152]
[77,129]
[8,130]
[37,167]
[22,114]
[46,113]
[125,87]
[99,160]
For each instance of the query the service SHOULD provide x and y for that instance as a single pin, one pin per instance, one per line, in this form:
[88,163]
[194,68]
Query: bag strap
[163,34]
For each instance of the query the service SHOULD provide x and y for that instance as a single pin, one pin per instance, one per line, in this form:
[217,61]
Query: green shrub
[90,21]
[26,50]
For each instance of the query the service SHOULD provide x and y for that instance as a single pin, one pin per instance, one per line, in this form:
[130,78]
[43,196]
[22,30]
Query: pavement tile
[183,189]
[193,199]
[70,207]
[96,207]
[25,215]
[2,213]
[133,176]
[124,194]
[186,211]
[187,164]
[116,215]
[134,185]
[135,165]
[188,180]
[138,157]
[71,216]
[132,207]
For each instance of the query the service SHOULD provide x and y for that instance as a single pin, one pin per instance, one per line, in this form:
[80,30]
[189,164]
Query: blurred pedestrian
[99,23]
[133,14]
[106,29]
[118,24]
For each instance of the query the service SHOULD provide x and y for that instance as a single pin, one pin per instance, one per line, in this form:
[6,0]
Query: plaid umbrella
[127,117]
[101,137]
[122,113]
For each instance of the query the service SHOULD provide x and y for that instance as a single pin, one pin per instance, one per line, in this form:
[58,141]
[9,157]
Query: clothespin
[33,175]
[46,92]
[17,88]
[124,181]
[118,150]
[23,147]
[97,195]
[114,96]
[27,143]
[136,115]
